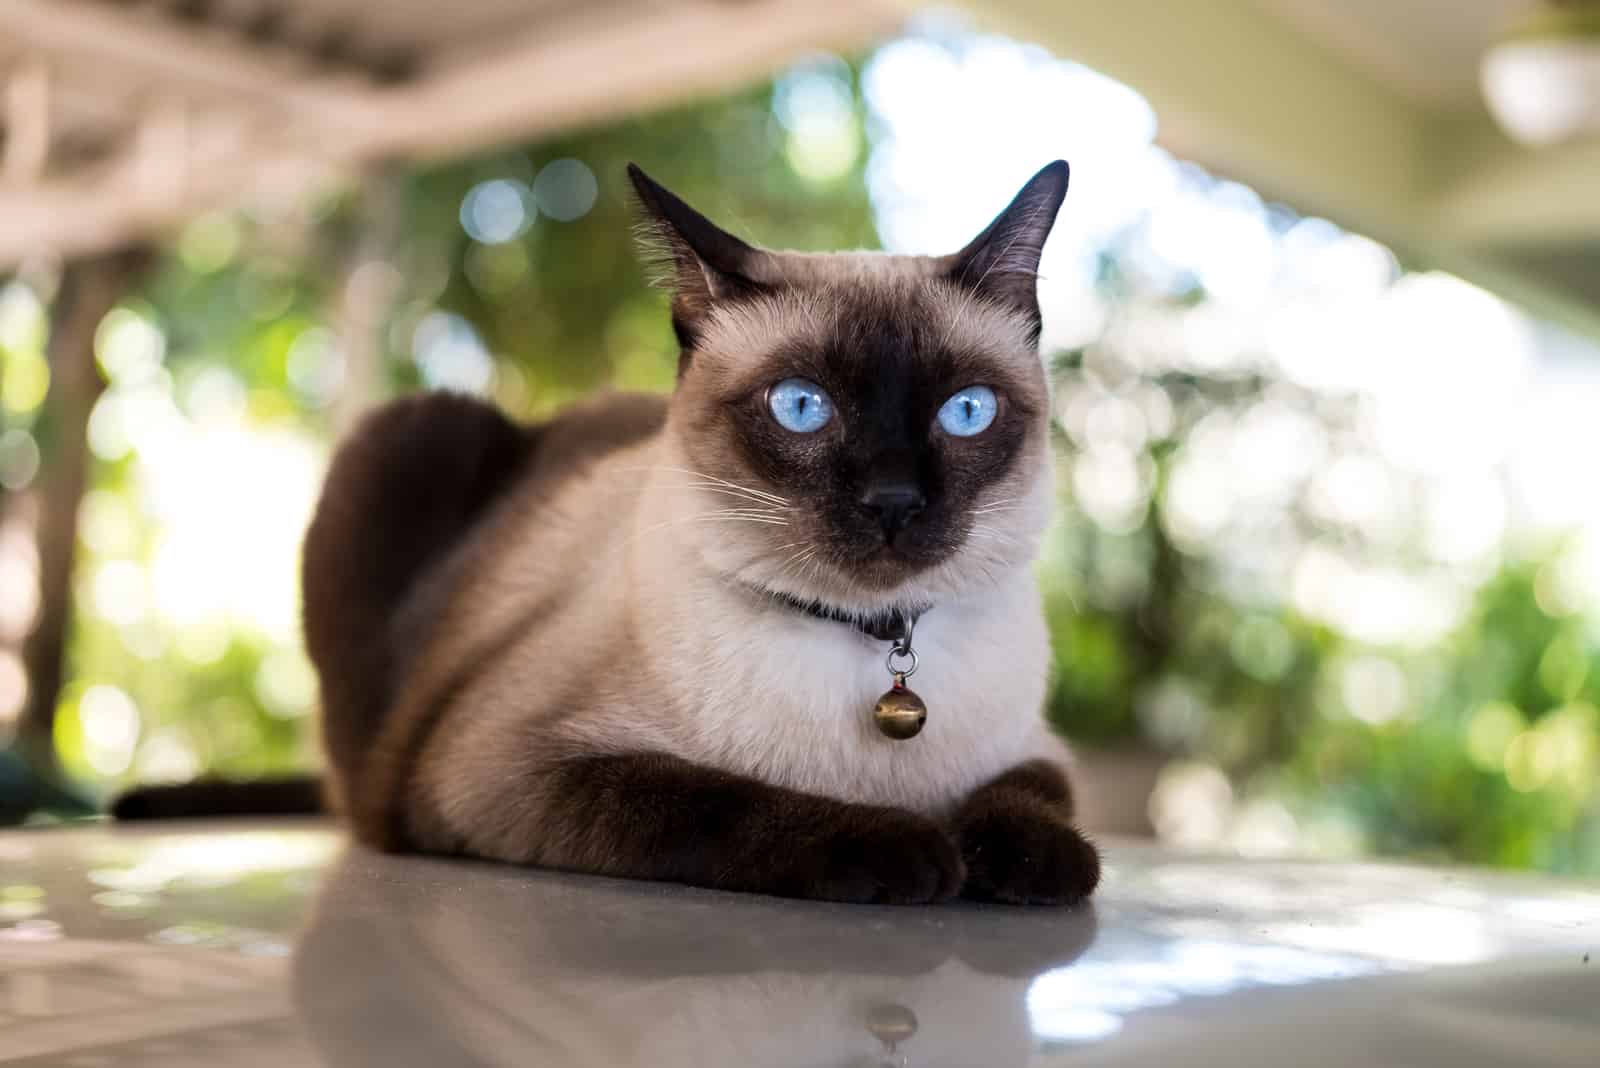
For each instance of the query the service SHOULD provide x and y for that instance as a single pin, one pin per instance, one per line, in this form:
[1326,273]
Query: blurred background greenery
[1323,569]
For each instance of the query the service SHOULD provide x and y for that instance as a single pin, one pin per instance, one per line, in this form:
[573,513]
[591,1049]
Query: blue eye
[969,412]
[800,405]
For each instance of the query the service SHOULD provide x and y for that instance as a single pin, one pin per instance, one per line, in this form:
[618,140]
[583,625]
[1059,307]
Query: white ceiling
[1426,49]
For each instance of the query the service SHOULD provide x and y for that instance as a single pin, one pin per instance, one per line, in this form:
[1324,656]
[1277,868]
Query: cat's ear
[1002,263]
[706,263]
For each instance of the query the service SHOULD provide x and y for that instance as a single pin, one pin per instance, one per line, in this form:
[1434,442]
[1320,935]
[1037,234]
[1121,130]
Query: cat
[645,639]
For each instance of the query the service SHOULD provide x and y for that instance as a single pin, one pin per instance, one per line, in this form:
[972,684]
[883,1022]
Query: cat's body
[579,644]
[579,594]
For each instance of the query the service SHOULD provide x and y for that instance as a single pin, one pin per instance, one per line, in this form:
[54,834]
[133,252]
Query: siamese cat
[645,639]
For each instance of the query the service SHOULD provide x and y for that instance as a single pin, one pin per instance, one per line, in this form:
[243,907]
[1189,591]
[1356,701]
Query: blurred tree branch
[89,288]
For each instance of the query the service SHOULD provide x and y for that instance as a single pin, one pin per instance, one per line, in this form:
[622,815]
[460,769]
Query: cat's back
[571,502]
[437,492]
[570,444]
[430,511]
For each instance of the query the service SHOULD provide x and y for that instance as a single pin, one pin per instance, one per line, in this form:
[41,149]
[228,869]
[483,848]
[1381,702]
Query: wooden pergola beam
[598,68]
[26,113]
[188,59]
[587,68]
[137,194]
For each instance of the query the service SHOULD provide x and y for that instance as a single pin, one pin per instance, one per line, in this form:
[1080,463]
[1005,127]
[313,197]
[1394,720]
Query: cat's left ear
[708,264]
[1002,263]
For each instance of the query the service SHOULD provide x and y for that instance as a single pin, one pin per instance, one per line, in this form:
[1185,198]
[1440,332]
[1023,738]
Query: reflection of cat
[403,965]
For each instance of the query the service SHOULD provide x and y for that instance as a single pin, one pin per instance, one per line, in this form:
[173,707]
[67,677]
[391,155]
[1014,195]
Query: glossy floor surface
[276,945]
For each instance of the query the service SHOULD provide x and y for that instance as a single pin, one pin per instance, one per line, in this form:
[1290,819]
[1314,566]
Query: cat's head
[879,423]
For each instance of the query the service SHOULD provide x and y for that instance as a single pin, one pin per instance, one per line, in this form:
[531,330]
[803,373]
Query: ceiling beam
[179,165]
[26,119]
[184,59]
[597,68]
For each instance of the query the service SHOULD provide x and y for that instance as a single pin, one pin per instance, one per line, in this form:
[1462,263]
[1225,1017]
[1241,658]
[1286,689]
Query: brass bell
[900,713]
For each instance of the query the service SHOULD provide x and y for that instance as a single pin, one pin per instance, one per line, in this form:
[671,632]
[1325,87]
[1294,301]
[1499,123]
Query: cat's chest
[794,706]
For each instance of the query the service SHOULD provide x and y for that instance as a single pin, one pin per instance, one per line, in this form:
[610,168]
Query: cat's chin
[835,591]
[846,591]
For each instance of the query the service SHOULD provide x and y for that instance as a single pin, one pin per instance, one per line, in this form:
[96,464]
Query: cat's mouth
[847,577]
[890,563]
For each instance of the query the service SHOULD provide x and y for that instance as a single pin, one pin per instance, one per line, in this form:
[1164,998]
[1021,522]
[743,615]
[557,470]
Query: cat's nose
[895,502]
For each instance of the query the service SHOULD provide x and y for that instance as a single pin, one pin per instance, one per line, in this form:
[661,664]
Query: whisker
[797,561]
[760,514]
[773,497]
[709,487]
[708,518]
[984,532]
[990,533]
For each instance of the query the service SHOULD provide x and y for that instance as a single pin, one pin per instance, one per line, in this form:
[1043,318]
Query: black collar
[883,626]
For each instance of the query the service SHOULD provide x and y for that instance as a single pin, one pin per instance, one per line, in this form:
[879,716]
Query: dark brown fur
[399,495]
[1019,844]
[210,798]
[897,393]
[658,817]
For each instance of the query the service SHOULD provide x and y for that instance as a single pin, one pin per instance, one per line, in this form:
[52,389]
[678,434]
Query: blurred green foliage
[248,305]
[1488,750]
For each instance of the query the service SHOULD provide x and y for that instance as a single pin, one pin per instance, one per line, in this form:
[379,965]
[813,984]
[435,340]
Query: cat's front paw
[885,856]
[1025,854]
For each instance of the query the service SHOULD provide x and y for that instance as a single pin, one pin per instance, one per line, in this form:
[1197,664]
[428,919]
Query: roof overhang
[1267,100]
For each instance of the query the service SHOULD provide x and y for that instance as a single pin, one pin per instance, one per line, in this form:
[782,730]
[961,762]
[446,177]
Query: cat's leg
[1018,841]
[653,816]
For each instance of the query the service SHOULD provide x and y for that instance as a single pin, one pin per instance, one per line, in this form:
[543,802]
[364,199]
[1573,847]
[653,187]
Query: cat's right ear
[705,262]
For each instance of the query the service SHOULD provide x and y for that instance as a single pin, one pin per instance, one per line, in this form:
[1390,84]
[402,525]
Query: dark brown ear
[1002,263]
[707,263]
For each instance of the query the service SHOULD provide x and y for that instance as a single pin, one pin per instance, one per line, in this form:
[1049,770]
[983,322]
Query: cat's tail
[300,795]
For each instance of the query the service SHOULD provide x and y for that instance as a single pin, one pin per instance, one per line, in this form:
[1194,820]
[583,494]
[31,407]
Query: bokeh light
[19,459]
[110,723]
[815,103]
[450,354]
[565,189]
[496,211]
